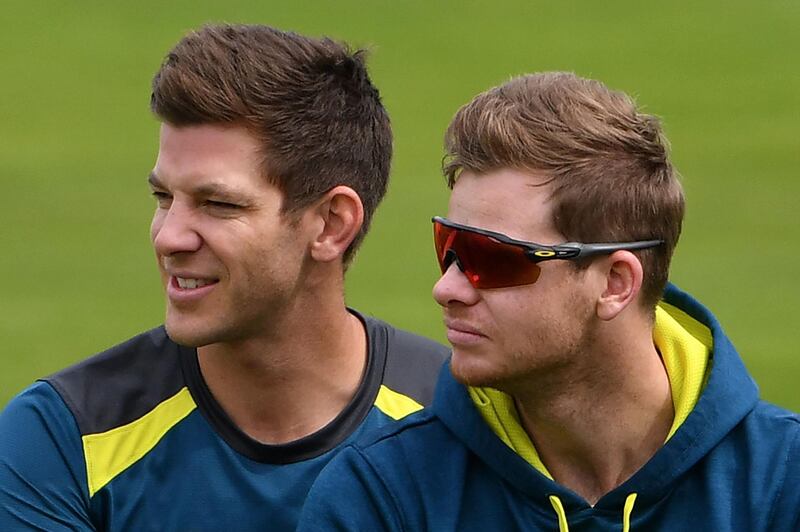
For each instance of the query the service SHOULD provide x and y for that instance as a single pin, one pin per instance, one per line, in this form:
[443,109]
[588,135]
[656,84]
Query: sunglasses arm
[578,251]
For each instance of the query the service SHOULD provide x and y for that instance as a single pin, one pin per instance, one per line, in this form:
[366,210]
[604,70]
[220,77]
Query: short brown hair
[309,101]
[610,175]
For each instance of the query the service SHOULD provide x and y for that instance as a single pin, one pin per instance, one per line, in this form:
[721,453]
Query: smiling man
[584,391]
[274,154]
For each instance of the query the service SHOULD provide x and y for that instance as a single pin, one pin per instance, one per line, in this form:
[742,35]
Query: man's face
[229,260]
[501,336]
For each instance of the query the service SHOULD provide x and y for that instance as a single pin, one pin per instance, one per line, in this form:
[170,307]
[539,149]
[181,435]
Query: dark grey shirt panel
[123,383]
[412,364]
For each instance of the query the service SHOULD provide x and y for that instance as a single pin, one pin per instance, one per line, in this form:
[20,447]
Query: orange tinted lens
[442,238]
[486,262]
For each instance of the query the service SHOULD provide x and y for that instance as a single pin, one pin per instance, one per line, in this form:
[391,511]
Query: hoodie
[732,464]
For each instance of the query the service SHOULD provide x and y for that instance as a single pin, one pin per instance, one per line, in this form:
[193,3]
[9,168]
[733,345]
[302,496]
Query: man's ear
[623,280]
[340,215]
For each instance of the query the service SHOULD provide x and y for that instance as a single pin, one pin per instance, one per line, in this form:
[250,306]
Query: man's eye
[161,197]
[221,204]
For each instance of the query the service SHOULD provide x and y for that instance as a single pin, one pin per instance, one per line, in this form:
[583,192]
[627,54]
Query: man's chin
[471,372]
[188,336]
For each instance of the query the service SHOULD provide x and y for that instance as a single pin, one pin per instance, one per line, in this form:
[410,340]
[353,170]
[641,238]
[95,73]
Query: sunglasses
[494,260]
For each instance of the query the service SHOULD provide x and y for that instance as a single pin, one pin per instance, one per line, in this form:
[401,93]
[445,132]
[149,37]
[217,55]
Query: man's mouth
[185,282]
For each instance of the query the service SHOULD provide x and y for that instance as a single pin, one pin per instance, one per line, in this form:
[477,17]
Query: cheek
[527,316]
[265,254]
[512,313]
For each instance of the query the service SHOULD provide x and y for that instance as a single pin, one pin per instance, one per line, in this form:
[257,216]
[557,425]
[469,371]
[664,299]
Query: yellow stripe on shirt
[394,404]
[110,453]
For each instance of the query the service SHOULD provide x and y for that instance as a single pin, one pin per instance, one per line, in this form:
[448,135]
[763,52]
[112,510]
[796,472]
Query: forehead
[513,202]
[207,152]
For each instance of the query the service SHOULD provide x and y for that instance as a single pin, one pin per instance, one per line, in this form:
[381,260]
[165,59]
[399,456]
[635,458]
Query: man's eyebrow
[216,189]
[219,190]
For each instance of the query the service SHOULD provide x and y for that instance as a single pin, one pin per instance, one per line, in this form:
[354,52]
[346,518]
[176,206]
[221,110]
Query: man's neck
[282,387]
[595,432]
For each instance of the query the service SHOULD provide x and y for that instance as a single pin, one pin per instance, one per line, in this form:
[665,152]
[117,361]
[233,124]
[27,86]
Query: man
[580,394]
[274,153]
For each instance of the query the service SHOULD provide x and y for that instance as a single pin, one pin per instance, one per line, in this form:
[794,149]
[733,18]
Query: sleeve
[42,471]
[786,509]
[350,495]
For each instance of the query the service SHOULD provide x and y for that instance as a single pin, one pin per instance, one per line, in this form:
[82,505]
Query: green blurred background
[78,142]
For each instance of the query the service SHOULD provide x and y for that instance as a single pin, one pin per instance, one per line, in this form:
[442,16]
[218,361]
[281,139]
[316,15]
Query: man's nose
[454,287]
[174,230]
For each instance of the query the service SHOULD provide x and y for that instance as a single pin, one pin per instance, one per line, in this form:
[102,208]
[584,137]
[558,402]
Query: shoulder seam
[374,470]
[68,402]
[84,479]
[397,428]
[786,472]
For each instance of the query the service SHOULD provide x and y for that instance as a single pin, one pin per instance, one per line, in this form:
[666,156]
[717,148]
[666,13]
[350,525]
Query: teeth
[191,283]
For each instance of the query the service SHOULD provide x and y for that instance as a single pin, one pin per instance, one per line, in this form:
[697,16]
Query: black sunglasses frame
[542,252]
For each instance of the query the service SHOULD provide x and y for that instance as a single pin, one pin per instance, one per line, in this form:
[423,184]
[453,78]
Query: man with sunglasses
[584,392]
[274,154]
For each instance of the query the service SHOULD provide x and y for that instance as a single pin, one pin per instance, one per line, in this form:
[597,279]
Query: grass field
[78,142]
